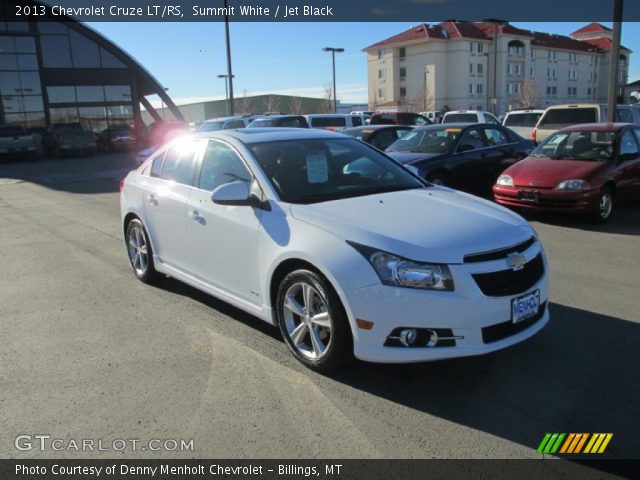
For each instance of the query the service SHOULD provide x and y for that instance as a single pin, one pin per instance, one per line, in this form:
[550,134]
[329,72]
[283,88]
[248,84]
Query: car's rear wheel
[312,321]
[139,251]
[604,208]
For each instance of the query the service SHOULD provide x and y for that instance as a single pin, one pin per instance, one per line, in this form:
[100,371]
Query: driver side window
[220,165]
[472,140]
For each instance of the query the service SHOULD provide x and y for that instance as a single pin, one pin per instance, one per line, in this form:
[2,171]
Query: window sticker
[317,168]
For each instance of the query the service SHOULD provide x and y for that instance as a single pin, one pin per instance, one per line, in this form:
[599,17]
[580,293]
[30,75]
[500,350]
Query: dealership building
[54,71]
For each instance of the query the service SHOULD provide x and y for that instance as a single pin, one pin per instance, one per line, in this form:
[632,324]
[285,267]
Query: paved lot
[89,352]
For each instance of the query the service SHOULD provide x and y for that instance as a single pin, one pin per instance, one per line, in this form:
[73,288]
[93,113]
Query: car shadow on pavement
[624,221]
[579,374]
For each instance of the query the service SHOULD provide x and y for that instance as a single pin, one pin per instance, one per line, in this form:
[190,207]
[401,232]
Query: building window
[553,55]
[479,69]
[573,74]
[471,89]
[476,47]
[61,94]
[532,53]
[479,89]
[572,91]
[573,58]
[403,73]
[471,68]
[380,93]
[56,51]
[589,91]
[380,54]
[403,92]
[480,48]
[513,88]
[402,53]
[117,93]
[552,91]
[516,47]
[84,52]
[381,74]
[90,94]
[552,73]
[532,71]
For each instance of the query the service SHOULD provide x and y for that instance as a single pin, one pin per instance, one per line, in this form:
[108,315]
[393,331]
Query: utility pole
[612,97]
[333,55]
[229,72]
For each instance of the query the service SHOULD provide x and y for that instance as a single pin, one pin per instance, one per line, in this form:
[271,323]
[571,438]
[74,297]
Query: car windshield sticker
[317,168]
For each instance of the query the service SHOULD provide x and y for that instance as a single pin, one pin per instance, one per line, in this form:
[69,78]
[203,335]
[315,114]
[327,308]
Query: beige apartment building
[458,65]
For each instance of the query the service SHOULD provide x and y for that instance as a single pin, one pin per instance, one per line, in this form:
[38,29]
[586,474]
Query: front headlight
[400,272]
[505,181]
[573,185]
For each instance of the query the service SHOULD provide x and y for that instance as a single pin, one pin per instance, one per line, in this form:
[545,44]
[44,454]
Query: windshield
[210,126]
[568,116]
[438,140]
[320,170]
[581,145]
[522,119]
[321,122]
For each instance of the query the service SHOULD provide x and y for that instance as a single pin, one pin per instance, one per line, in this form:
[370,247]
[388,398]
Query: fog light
[408,336]
[433,338]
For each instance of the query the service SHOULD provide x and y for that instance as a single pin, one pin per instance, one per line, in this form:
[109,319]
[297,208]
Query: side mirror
[465,148]
[234,193]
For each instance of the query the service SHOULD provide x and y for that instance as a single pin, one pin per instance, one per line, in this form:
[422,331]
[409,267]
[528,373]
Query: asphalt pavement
[88,352]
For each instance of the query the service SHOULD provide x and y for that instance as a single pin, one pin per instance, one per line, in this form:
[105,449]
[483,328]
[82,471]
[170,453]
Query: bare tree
[528,95]
[423,101]
[327,96]
[273,103]
[244,104]
[296,105]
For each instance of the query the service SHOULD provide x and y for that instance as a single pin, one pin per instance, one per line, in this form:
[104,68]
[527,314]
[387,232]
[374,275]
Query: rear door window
[234,124]
[628,144]
[624,115]
[179,162]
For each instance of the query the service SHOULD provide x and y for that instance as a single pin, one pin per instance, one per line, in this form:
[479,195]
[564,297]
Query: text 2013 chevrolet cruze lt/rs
[342,248]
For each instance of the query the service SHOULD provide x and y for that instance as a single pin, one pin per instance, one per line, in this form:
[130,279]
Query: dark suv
[399,118]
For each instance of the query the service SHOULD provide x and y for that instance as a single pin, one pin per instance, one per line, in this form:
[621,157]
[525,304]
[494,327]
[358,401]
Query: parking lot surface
[88,352]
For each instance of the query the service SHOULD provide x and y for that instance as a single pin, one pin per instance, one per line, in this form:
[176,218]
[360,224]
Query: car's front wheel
[604,208]
[312,321]
[140,253]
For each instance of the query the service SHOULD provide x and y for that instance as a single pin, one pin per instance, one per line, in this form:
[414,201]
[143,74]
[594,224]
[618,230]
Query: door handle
[195,215]
[153,200]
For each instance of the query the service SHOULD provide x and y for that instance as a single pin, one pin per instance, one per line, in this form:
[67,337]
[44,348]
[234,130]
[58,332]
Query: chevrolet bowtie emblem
[516,261]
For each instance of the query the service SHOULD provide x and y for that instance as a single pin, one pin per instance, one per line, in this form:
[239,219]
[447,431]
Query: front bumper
[546,199]
[480,324]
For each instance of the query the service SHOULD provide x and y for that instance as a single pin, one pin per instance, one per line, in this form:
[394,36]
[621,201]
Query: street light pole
[229,72]
[612,97]
[226,91]
[333,57]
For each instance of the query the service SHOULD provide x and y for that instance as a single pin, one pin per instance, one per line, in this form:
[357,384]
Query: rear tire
[604,207]
[312,321]
[139,252]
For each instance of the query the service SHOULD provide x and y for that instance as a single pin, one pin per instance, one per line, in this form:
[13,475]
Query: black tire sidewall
[437,175]
[341,338]
[596,214]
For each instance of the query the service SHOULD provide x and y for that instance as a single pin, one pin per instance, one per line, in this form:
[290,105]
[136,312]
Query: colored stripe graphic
[573,443]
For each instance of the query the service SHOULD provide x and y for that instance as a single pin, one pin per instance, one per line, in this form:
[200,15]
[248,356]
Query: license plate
[529,195]
[525,307]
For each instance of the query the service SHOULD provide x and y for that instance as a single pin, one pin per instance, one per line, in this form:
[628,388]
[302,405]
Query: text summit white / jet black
[342,248]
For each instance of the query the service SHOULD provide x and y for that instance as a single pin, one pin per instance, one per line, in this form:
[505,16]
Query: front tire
[438,178]
[604,207]
[139,251]
[312,321]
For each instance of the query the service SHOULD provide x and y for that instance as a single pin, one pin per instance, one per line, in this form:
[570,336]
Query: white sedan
[343,249]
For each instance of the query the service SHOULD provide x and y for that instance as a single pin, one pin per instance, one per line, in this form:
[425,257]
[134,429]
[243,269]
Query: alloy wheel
[605,204]
[138,251]
[307,320]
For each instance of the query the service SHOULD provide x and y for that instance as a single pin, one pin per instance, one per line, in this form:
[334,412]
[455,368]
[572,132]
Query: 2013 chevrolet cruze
[342,248]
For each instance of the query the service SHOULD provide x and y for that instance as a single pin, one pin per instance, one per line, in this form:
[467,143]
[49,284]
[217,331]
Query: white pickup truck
[15,141]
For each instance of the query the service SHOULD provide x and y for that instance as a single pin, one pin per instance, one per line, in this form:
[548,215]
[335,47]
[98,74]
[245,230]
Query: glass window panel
[8,61]
[61,94]
[34,119]
[27,62]
[52,27]
[63,115]
[10,83]
[14,118]
[7,45]
[120,115]
[117,93]
[109,60]
[84,51]
[12,104]
[33,103]
[25,45]
[93,118]
[30,83]
[17,26]
[90,93]
[56,52]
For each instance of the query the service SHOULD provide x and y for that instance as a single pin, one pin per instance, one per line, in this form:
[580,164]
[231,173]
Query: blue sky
[277,57]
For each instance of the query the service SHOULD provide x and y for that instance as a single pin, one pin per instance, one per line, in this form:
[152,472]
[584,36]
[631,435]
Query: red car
[581,169]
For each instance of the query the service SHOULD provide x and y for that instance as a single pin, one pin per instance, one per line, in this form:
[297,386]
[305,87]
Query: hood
[548,173]
[431,225]
[411,157]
